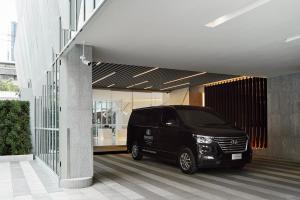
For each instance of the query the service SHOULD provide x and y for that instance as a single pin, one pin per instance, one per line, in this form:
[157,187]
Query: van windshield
[199,118]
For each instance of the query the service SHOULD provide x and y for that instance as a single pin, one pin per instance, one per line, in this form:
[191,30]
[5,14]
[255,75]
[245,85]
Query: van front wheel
[136,152]
[187,162]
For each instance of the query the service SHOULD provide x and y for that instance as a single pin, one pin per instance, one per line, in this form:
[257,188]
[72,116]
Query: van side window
[156,117]
[140,118]
[169,118]
[151,117]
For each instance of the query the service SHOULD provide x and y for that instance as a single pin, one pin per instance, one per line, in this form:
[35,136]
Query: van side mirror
[171,122]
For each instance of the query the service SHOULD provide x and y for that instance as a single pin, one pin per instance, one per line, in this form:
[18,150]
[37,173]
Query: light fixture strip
[175,86]
[290,39]
[146,72]
[111,85]
[227,80]
[137,84]
[186,77]
[235,14]
[148,87]
[104,77]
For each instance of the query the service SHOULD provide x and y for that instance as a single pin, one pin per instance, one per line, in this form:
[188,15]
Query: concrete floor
[119,177]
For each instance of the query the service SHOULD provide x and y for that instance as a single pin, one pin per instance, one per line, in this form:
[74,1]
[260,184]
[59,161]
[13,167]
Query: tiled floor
[118,177]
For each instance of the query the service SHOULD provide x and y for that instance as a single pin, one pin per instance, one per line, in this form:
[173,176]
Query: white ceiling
[172,34]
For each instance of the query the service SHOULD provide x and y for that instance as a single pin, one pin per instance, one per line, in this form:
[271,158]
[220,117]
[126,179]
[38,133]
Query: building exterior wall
[283,118]
[8,71]
[46,69]
[37,40]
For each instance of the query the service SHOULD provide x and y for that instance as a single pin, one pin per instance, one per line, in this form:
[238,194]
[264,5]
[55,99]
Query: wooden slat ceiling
[124,77]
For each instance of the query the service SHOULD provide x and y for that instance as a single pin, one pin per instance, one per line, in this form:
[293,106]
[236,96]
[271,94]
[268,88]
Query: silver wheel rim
[135,151]
[185,161]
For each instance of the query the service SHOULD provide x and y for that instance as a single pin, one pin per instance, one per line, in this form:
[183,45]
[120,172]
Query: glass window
[169,117]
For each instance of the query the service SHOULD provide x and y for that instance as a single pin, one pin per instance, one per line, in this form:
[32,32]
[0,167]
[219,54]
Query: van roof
[174,107]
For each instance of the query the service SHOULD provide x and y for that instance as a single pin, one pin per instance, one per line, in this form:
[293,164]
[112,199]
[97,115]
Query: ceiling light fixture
[146,72]
[235,14]
[111,85]
[137,84]
[146,88]
[227,80]
[290,39]
[104,77]
[186,77]
[175,86]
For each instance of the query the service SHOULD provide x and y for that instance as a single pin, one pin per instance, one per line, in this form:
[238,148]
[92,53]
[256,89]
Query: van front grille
[232,144]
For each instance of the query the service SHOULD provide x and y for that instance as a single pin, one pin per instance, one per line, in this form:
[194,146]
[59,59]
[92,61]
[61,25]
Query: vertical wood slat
[244,104]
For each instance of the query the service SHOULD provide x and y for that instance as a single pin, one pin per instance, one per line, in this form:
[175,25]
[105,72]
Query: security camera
[83,58]
[85,61]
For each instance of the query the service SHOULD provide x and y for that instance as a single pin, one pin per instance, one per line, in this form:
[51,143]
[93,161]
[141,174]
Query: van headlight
[203,139]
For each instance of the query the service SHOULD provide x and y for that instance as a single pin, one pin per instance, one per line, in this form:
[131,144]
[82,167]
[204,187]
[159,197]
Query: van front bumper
[217,158]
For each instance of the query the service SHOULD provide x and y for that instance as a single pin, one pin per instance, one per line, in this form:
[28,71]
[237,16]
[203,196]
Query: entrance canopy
[241,37]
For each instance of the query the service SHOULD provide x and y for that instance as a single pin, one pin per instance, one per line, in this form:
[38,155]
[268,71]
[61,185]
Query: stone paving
[119,177]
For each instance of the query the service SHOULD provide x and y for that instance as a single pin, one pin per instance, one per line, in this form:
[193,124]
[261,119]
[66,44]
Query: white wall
[37,38]
[178,97]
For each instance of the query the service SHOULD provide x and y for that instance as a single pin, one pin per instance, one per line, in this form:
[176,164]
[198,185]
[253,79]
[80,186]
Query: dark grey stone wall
[283,118]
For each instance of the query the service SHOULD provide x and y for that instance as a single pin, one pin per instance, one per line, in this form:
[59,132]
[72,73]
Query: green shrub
[14,128]
[8,85]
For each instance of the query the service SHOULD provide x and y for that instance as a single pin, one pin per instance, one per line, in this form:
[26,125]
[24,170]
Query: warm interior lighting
[203,99]
[145,100]
[175,86]
[186,77]
[228,80]
[146,72]
[235,14]
[148,87]
[290,39]
[137,84]
[111,85]
[104,77]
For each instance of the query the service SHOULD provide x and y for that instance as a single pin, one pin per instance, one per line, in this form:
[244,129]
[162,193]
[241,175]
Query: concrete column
[75,122]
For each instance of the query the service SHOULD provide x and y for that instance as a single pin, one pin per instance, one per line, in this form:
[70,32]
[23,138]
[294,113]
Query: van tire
[187,161]
[136,152]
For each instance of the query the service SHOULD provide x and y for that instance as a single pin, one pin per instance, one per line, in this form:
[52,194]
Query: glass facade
[79,12]
[111,112]
[47,121]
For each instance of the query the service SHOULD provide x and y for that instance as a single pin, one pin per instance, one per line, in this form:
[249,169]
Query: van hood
[219,131]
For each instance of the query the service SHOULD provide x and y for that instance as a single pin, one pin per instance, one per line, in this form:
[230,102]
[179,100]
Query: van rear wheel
[136,152]
[187,162]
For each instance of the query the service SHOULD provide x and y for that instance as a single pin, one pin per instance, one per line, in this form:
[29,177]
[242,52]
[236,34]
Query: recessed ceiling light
[148,87]
[175,86]
[235,14]
[151,70]
[137,84]
[290,39]
[104,77]
[186,77]
[111,85]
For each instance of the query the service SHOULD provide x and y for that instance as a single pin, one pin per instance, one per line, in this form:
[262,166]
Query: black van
[195,137]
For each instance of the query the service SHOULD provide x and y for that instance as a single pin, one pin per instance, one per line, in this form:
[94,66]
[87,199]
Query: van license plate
[236,156]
